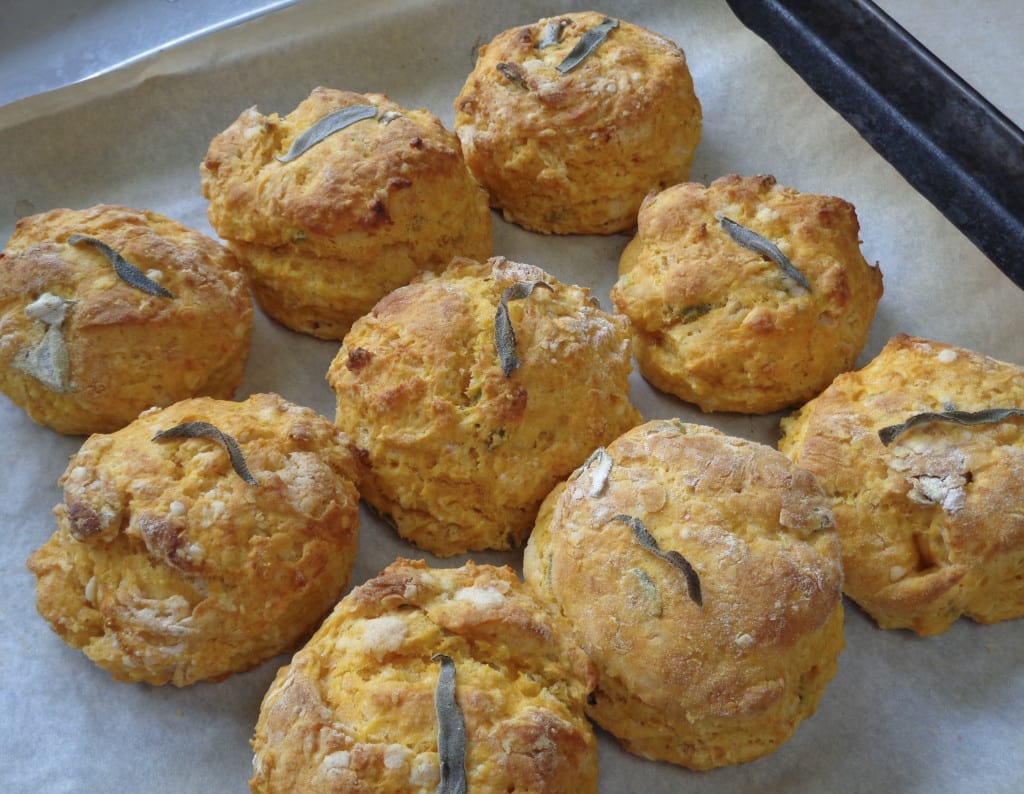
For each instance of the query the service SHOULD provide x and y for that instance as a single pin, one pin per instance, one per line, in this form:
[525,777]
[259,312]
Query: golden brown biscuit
[932,524]
[355,710]
[324,236]
[574,150]
[171,565]
[454,451]
[83,350]
[724,326]
[719,664]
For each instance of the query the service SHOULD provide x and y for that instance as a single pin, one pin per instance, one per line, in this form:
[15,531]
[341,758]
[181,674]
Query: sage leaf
[674,558]
[451,730]
[588,42]
[513,72]
[207,430]
[552,33]
[988,416]
[325,127]
[752,241]
[504,335]
[125,270]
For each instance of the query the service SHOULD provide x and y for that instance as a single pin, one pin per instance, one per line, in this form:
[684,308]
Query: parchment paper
[903,713]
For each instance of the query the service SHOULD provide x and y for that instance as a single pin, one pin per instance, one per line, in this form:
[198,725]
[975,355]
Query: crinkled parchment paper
[903,713]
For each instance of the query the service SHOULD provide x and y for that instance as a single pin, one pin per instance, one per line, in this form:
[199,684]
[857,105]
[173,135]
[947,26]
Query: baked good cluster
[681,587]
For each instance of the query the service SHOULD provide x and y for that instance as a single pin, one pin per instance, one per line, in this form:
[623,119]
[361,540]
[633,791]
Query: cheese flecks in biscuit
[457,447]
[170,566]
[745,295]
[419,666]
[702,575]
[108,311]
[569,122]
[930,512]
[339,202]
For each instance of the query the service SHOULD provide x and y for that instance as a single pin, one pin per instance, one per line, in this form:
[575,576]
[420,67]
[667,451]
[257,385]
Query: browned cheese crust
[457,455]
[575,153]
[698,685]
[125,350]
[932,526]
[167,567]
[354,711]
[325,236]
[722,326]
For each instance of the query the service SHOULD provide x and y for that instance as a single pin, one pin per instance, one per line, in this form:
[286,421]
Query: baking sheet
[903,713]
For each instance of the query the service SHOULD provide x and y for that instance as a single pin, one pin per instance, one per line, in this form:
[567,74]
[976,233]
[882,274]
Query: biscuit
[324,236]
[355,710]
[724,326]
[83,350]
[168,566]
[454,452]
[574,151]
[932,524]
[719,664]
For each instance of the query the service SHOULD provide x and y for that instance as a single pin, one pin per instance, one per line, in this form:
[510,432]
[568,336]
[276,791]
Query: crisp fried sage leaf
[451,730]
[513,72]
[889,434]
[588,42]
[47,361]
[602,462]
[755,242]
[504,336]
[325,127]
[645,539]
[125,270]
[552,33]
[207,430]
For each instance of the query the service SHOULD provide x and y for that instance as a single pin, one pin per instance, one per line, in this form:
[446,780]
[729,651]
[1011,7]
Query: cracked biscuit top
[719,318]
[931,518]
[339,202]
[200,540]
[108,311]
[360,709]
[566,144]
[701,573]
[470,394]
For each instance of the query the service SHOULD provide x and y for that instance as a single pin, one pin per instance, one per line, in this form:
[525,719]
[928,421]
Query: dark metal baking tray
[946,139]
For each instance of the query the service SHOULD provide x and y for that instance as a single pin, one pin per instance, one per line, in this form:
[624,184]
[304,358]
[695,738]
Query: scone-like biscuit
[723,326]
[454,450]
[355,710]
[574,150]
[178,559]
[932,524]
[327,234]
[713,666]
[82,350]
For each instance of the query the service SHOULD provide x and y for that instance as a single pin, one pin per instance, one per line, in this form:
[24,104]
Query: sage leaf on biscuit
[125,270]
[588,42]
[207,430]
[552,33]
[504,335]
[674,558]
[513,72]
[451,730]
[602,462]
[988,416]
[752,241]
[325,127]
[47,360]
